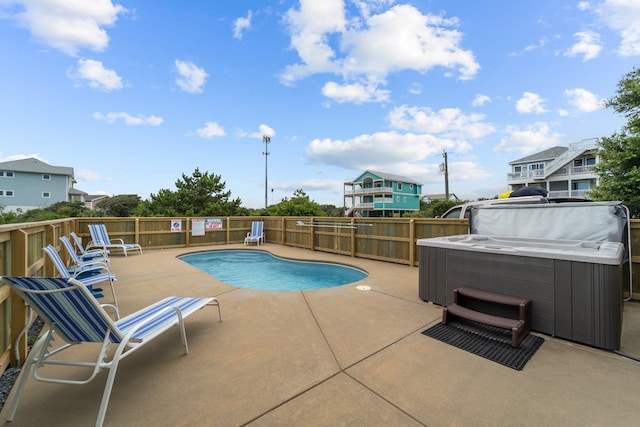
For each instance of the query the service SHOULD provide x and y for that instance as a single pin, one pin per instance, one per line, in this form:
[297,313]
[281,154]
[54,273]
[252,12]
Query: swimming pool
[264,271]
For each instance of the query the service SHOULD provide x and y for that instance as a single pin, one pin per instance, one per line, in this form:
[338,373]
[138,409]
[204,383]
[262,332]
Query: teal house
[377,194]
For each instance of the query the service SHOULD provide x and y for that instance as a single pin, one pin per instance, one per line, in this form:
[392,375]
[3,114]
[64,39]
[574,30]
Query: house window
[400,186]
[590,161]
[517,168]
[6,174]
[580,185]
[404,199]
[411,186]
[6,193]
[536,166]
[577,162]
[46,176]
[398,199]
[46,195]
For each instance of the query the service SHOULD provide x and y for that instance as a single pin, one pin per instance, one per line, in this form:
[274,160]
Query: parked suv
[462,211]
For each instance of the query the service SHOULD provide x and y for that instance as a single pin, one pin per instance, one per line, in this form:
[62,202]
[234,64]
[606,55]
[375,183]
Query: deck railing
[383,239]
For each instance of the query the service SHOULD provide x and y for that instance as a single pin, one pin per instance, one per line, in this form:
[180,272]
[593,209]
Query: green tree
[122,205]
[619,155]
[333,210]
[201,194]
[298,205]
[55,211]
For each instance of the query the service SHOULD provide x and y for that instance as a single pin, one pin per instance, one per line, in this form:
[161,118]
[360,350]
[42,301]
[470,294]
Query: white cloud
[414,155]
[211,130]
[583,100]
[364,49]
[588,45]
[584,5]
[96,75]
[541,43]
[21,157]
[530,139]
[530,103]
[241,24]
[449,122]
[382,150]
[480,100]
[128,119]
[191,78]
[262,131]
[356,93]
[415,89]
[68,25]
[623,16]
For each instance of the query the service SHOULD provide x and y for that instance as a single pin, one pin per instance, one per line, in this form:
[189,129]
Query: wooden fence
[383,239]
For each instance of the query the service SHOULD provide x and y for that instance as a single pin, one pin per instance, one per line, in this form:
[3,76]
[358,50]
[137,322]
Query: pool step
[519,327]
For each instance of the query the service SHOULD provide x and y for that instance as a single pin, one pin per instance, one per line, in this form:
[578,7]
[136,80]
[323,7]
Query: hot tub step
[520,327]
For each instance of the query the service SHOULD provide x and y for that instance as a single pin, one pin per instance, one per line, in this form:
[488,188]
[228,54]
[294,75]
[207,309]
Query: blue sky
[132,94]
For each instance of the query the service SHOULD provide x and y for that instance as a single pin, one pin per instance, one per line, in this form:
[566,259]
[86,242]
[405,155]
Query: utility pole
[266,139]
[444,167]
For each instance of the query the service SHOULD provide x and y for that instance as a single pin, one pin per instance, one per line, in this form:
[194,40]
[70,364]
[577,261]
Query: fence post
[19,266]
[312,235]
[353,238]
[412,244]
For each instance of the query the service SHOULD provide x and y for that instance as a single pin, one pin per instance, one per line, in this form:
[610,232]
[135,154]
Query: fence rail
[383,239]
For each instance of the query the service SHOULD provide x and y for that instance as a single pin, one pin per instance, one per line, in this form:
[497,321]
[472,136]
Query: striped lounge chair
[82,259]
[87,254]
[74,316]
[257,233]
[88,274]
[100,239]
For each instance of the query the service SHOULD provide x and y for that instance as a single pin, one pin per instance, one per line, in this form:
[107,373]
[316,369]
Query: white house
[562,171]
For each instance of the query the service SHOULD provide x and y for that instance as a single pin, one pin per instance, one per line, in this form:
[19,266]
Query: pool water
[262,270]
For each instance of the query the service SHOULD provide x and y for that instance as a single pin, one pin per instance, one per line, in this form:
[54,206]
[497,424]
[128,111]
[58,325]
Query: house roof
[77,192]
[388,177]
[34,165]
[548,154]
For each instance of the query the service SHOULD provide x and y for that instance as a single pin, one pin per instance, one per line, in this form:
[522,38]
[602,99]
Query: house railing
[568,193]
[534,174]
[370,190]
[383,239]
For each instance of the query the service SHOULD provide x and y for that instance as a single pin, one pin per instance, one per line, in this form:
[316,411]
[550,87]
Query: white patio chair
[73,315]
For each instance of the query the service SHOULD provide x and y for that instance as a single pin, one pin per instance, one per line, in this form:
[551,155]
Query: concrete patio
[331,357]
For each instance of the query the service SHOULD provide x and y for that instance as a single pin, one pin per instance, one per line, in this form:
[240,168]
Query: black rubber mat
[486,341]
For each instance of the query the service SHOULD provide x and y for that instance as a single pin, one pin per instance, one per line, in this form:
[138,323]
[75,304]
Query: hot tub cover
[587,221]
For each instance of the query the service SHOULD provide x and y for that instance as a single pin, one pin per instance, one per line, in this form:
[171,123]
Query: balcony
[569,193]
[539,175]
[368,191]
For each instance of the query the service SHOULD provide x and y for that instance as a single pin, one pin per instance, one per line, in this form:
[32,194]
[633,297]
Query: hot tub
[575,286]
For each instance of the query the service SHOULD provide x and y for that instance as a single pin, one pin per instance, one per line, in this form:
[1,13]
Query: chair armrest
[85,270]
[116,312]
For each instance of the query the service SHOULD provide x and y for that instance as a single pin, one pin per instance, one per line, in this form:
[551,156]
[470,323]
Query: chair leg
[216,303]
[107,389]
[40,345]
